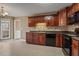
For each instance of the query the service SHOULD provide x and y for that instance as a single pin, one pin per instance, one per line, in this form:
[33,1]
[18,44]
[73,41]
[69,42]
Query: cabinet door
[56,22]
[47,22]
[72,8]
[58,40]
[51,22]
[41,19]
[41,38]
[31,22]
[35,38]
[62,18]
[75,49]
[76,7]
[29,37]
[68,11]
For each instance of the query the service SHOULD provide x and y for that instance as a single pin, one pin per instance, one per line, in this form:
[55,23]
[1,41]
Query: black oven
[66,45]
[51,40]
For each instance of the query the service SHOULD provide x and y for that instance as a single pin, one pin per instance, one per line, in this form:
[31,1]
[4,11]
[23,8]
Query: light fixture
[48,17]
[3,12]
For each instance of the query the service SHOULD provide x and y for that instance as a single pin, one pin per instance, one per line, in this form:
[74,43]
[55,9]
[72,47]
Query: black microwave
[72,19]
[77,16]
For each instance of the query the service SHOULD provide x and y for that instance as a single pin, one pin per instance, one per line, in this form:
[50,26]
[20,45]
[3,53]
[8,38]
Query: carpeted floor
[20,48]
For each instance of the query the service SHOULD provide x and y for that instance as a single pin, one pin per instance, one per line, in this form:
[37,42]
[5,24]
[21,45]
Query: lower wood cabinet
[41,38]
[59,40]
[75,47]
[29,36]
[35,38]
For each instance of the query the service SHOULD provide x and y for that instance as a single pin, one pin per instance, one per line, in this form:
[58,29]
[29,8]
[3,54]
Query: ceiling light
[48,17]
[3,12]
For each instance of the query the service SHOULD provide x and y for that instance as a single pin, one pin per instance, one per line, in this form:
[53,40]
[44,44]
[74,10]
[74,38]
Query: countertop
[72,34]
[47,32]
[77,38]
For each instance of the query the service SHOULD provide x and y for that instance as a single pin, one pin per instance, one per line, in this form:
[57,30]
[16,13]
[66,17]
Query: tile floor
[20,48]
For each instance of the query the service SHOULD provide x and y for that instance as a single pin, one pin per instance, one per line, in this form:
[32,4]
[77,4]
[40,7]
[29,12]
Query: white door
[17,29]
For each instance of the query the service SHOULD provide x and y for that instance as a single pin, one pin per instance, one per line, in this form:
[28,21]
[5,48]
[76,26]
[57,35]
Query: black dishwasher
[51,40]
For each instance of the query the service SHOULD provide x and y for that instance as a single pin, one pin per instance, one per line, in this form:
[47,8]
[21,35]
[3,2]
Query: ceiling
[28,9]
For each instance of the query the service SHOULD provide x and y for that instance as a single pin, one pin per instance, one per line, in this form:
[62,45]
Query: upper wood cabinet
[76,7]
[62,17]
[71,10]
[32,21]
[54,21]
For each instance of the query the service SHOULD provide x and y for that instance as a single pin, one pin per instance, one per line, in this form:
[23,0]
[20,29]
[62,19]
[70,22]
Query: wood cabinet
[54,22]
[32,21]
[35,38]
[41,38]
[70,10]
[58,40]
[62,17]
[39,19]
[29,37]
[75,47]
[76,7]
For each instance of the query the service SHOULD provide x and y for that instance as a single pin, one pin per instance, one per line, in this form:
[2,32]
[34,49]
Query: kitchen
[58,29]
[64,33]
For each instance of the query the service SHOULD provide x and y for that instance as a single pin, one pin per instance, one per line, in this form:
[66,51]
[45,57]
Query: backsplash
[72,27]
[57,28]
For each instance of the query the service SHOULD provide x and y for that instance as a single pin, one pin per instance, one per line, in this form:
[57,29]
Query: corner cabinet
[76,7]
[75,47]
[62,17]
[29,37]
